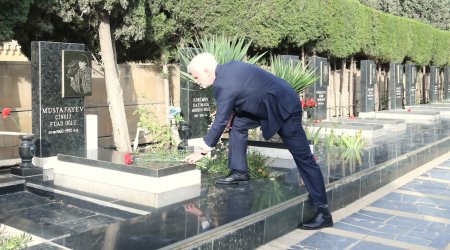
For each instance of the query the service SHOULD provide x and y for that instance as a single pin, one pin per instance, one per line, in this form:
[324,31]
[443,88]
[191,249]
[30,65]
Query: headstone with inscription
[446,83]
[319,89]
[195,104]
[434,84]
[396,86]
[58,122]
[368,81]
[410,86]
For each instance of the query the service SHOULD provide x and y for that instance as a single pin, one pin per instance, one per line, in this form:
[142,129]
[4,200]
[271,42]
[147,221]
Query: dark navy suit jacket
[248,90]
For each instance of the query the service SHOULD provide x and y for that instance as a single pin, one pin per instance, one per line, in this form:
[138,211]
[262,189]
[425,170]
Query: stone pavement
[412,212]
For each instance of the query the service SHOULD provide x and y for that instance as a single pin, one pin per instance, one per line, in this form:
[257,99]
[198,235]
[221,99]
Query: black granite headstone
[434,84]
[395,85]
[58,123]
[290,58]
[195,102]
[368,81]
[319,89]
[446,83]
[410,71]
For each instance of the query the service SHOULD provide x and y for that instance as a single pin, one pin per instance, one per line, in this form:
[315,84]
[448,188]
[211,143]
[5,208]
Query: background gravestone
[395,85]
[196,104]
[368,81]
[434,84]
[446,83]
[58,123]
[318,90]
[410,88]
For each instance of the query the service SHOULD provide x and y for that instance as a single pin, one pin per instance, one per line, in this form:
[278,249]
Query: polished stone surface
[247,215]
[114,160]
[58,123]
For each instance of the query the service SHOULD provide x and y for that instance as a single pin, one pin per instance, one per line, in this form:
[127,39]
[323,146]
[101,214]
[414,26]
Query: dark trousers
[294,137]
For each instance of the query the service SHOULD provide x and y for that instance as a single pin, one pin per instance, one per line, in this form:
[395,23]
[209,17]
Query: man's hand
[193,158]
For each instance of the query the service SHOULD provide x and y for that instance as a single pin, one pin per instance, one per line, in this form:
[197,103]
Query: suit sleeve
[225,100]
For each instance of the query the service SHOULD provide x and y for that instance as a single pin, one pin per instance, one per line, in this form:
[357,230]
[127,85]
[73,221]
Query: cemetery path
[412,212]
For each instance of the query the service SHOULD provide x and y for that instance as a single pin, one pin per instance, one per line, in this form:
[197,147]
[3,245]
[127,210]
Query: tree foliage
[12,13]
[434,12]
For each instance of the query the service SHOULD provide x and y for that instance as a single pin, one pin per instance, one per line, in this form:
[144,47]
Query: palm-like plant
[294,74]
[223,48]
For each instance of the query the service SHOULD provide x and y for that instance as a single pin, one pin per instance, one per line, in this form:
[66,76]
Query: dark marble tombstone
[446,83]
[195,103]
[410,89]
[319,89]
[396,86]
[434,84]
[58,123]
[290,58]
[368,81]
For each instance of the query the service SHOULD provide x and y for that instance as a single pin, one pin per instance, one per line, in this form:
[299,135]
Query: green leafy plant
[223,48]
[294,74]
[217,164]
[351,141]
[13,242]
[160,135]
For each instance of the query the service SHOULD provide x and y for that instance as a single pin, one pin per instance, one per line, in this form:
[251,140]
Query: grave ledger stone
[396,86]
[58,122]
[319,89]
[434,84]
[196,103]
[446,83]
[410,72]
[368,81]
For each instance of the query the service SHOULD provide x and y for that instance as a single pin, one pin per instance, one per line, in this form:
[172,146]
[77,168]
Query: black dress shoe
[321,219]
[233,178]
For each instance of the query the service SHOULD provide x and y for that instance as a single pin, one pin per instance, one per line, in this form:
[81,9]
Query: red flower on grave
[6,112]
[409,110]
[128,159]
[308,104]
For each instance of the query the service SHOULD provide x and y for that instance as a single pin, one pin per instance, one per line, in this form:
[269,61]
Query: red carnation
[6,112]
[128,159]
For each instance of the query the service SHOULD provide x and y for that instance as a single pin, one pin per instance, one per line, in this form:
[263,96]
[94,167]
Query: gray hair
[203,61]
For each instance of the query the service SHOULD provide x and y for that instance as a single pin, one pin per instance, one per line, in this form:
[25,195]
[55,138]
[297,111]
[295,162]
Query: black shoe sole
[232,182]
[315,228]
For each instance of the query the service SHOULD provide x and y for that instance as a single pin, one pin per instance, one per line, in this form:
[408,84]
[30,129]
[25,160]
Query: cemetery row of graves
[357,155]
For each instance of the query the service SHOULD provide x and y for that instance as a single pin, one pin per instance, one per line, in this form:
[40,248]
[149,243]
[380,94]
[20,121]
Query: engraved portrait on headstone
[77,73]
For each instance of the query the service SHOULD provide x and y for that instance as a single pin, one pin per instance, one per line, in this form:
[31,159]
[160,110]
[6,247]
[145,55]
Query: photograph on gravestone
[446,83]
[410,86]
[368,81]
[434,84]
[58,123]
[76,73]
[196,103]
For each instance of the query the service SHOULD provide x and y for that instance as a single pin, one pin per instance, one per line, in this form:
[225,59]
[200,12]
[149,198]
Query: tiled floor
[413,214]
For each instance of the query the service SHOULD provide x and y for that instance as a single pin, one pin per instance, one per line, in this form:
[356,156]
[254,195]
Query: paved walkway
[413,212]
